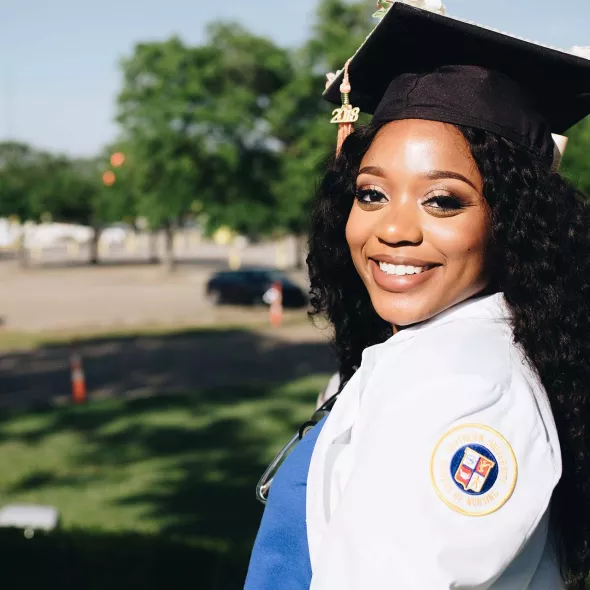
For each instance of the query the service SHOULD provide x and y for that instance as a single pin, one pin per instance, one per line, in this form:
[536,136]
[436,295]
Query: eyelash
[446,203]
[453,203]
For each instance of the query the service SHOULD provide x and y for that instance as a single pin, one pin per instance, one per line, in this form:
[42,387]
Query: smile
[401,270]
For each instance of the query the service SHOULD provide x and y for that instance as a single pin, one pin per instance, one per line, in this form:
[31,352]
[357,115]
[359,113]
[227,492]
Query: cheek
[358,231]
[466,237]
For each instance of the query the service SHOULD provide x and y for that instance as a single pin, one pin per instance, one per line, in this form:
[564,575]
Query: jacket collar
[487,307]
[343,415]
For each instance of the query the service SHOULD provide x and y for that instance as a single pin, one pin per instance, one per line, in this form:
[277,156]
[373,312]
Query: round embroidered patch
[473,470]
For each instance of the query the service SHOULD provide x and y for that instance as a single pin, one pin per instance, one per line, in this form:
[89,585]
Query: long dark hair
[541,227]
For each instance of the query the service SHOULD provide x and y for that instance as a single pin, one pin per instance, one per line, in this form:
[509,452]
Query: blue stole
[280,558]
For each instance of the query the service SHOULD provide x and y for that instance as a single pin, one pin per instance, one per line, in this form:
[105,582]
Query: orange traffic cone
[78,380]
[276,305]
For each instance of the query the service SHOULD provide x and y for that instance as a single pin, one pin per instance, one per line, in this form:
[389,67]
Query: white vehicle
[52,234]
[115,235]
[9,233]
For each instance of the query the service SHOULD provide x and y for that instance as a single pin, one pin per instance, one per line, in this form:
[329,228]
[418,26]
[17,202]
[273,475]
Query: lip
[397,283]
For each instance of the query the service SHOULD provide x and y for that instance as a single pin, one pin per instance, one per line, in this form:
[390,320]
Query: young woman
[454,265]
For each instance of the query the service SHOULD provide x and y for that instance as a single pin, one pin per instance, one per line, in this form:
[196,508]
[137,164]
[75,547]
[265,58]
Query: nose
[400,225]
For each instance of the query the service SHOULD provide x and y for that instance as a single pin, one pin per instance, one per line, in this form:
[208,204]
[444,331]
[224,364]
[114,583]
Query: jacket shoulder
[480,347]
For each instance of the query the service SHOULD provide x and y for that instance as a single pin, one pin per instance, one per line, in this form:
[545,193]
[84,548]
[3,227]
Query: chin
[402,311]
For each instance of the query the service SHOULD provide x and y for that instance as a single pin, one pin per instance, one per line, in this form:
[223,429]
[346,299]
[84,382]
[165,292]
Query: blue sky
[59,58]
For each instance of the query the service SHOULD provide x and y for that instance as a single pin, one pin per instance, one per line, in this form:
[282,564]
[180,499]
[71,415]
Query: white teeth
[400,269]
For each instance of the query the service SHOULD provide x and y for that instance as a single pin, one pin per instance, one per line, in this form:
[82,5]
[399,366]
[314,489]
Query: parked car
[251,286]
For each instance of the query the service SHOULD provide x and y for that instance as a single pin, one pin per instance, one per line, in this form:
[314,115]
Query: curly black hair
[541,226]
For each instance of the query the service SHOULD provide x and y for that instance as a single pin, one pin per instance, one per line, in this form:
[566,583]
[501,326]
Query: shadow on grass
[96,560]
[159,364]
[151,485]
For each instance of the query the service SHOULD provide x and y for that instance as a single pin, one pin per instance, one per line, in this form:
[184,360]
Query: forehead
[420,145]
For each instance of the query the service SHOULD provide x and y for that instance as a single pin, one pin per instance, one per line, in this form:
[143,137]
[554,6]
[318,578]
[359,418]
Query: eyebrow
[373,171]
[432,175]
[440,174]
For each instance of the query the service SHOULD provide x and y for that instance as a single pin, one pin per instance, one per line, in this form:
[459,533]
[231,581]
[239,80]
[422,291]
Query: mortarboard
[420,64]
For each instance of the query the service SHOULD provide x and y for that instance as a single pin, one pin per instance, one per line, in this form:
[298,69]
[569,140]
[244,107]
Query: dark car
[249,286]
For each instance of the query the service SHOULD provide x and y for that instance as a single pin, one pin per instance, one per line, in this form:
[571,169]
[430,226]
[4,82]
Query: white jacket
[436,467]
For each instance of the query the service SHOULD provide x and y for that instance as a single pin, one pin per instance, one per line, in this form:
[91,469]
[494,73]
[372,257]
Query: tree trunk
[169,261]
[153,247]
[22,254]
[93,258]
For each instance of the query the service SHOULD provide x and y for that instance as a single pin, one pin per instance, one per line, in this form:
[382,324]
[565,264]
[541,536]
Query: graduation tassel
[344,129]
[346,115]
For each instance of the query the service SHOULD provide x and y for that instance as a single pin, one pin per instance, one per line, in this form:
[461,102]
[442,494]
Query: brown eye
[370,197]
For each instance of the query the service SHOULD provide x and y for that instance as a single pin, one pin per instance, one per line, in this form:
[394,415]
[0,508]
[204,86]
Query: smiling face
[419,226]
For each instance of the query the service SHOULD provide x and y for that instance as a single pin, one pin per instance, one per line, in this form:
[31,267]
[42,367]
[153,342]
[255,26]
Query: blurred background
[157,164]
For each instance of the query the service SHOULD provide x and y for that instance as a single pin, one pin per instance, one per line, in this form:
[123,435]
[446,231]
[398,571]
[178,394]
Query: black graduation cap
[420,64]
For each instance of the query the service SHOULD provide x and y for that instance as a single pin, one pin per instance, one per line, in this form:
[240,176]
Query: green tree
[16,163]
[71,191]
[16,179]
[194,119]
[58,189]
[112,202]
[576,162]
[155,115]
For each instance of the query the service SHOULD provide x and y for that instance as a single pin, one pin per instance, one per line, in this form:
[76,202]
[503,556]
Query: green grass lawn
[135,479]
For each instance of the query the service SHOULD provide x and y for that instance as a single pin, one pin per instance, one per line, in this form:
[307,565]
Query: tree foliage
[194,121]
[17,163]
[35,183]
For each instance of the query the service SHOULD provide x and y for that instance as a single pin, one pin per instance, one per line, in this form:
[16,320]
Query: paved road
[88,298]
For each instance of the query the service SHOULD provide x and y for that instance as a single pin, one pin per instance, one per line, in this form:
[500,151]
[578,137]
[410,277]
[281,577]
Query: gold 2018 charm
[345,114]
